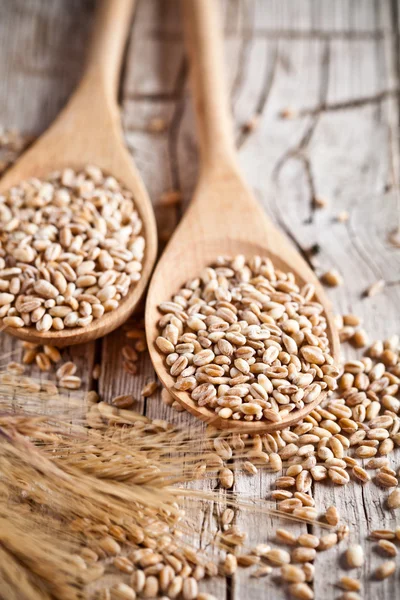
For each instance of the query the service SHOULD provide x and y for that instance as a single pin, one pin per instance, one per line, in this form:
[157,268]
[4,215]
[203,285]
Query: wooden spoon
[224,218]
[88,131]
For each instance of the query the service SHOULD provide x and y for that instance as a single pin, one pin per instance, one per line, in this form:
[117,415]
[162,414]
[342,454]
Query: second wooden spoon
[224,218]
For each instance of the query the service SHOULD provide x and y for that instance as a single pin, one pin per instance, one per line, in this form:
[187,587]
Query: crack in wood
[203,528]
[364,256]
[121,95]
[299,151]
[322,93]
[392,283]
[215,512]
[231,588]
[281,222]
[311,185]
[268,81]
[394,114]
[155,97]
[365,502]
[348,104]
[173,132]
[98,354]
[317,34]
[245,49]
[286,34]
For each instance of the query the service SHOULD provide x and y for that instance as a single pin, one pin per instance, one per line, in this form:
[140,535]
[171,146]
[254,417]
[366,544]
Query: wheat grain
[285,536]
[350,596]
[303,554]
[385,570]
[359,339]
[123,401]
[393,500]
[170,198]
[277,557]
[234,336]
[226,478]
[308,540]
[230,565]
[156,125]
[388,547]
[251,124]
[386,480]
[189,589]
[375,288]
[292,574]
[327,541]
[349,583]
[301,591]
[382,534]
[355,556]
[149,389]
[84,231]
[122,591]
[289,113]
[332,278]
[262,571]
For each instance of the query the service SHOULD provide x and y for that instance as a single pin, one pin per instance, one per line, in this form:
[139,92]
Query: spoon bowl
[226,234]
[88,132]
[224,218]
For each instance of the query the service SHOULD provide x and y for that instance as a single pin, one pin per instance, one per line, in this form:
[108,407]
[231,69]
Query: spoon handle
[204,45]
[104,58]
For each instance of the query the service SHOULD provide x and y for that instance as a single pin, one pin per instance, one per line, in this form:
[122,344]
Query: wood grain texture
[336,63]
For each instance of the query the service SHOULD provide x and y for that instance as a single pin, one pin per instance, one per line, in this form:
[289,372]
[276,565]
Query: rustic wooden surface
[337,63]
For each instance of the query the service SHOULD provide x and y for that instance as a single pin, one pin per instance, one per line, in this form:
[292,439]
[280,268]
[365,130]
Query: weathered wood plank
[328,60]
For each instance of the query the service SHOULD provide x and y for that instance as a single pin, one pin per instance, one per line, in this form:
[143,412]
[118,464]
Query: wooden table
[336,66]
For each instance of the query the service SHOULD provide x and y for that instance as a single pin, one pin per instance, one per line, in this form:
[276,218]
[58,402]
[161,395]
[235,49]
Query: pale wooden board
[279,53]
